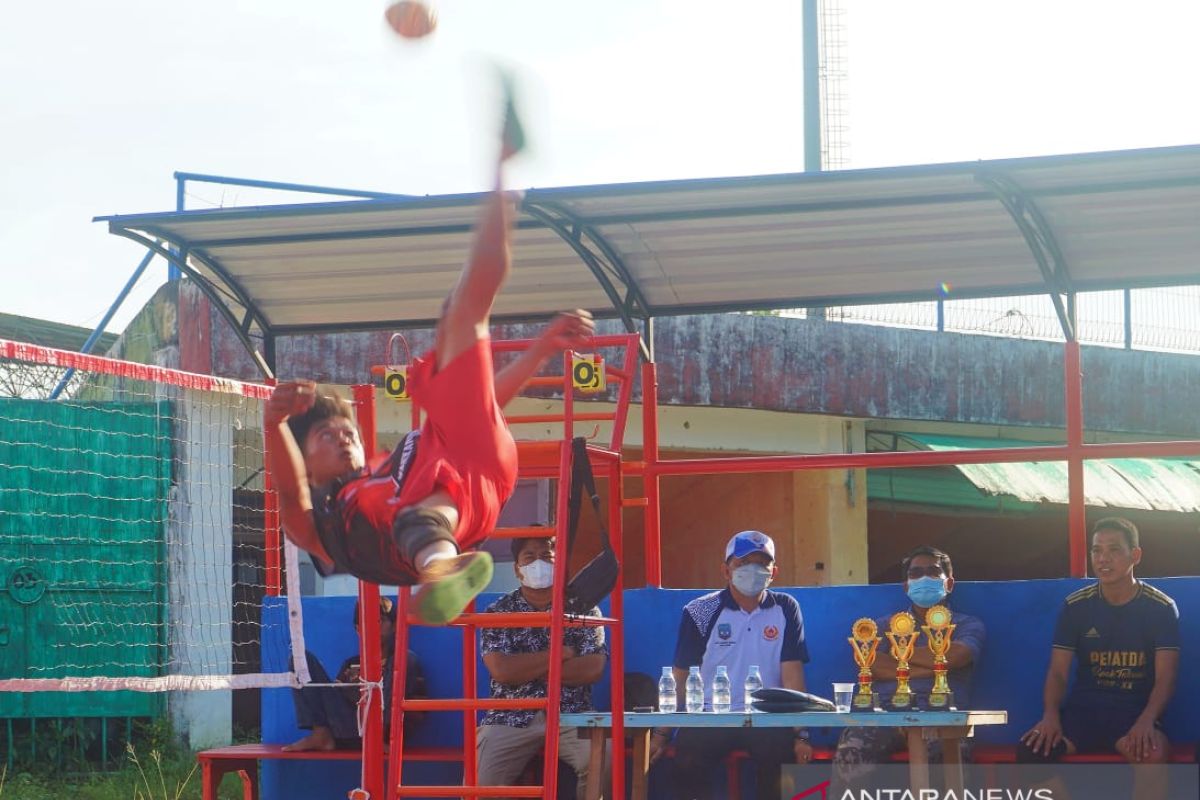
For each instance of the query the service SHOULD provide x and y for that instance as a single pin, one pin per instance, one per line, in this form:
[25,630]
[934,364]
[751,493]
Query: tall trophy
[903,636]
[864,638]
[938,631]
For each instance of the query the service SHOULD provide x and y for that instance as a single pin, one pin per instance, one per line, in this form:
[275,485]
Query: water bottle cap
[693,669]
[721,670]
[666,670]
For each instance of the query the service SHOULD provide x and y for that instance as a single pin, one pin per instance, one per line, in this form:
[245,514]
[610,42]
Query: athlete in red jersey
[408,521]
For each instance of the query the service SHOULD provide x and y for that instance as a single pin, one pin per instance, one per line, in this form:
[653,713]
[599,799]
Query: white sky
[103,101]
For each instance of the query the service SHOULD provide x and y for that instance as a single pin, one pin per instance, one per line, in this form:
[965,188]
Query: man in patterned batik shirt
[518,660]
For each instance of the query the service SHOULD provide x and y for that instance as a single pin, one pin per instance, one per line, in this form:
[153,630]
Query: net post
[272,542]
[368,605]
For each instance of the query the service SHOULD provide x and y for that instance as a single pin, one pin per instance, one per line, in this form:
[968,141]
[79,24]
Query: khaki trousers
[503,751]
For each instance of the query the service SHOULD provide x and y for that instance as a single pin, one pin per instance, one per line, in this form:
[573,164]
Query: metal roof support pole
[173,273]
[108,315]
[1039,236]
[1042,244]
[650,476]
[1127,300]
[1077,544]
[605,266]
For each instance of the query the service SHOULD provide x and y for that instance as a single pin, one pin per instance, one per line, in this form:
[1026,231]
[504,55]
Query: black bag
[599,576]
[779,700]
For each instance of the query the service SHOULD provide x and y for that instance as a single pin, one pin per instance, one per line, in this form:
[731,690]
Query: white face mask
[751,579]
[538,574]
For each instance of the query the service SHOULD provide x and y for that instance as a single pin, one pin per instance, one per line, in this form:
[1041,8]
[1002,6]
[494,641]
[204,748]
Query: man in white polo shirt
[742,625]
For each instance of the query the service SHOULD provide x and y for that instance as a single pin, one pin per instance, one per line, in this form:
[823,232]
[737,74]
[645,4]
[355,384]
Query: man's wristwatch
[801,734]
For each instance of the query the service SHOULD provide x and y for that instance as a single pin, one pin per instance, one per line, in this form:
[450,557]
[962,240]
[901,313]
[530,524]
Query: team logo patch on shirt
[724,630]
[770,633]
[1092,634]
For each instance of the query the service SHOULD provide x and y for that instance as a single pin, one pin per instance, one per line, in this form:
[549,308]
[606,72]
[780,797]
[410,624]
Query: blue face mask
[927,591]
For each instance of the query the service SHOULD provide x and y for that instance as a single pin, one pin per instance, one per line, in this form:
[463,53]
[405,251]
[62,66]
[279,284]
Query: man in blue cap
[740,626]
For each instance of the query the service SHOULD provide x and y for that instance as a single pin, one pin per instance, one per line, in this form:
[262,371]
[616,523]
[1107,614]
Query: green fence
[83,516]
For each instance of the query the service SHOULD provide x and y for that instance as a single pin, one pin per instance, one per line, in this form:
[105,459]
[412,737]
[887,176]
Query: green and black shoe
[449,584]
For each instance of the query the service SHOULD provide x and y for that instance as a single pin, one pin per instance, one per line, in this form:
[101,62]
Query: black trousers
[697,750]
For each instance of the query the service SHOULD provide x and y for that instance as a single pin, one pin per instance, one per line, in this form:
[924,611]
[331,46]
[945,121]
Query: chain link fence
[1157,319]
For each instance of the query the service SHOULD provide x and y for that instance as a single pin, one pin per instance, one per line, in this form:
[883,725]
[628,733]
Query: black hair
[519,543]
[1122,526]
[387,609]
[942,559]
[324,407]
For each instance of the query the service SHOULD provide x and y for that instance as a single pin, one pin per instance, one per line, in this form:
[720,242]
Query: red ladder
[547,459]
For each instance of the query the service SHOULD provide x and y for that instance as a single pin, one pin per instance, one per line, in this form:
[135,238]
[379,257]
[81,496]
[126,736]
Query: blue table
[950,726]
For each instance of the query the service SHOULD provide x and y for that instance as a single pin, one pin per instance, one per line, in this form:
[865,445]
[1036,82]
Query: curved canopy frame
[1121,220]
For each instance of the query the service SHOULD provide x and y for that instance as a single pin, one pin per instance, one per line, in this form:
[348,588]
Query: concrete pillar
[200,570]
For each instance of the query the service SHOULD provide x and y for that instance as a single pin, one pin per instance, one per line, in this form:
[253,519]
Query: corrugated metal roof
[1121,219]
[1142,483]
[50,334]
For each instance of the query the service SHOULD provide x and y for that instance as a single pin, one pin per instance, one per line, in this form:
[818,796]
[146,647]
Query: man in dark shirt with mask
[928,581]
[742,625]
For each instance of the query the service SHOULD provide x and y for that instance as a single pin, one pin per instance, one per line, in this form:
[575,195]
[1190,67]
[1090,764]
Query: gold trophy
[864,638]
[938,631]
[903,636]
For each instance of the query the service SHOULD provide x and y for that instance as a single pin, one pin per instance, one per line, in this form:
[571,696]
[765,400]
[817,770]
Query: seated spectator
[517,659]
[331,712]
[740,626]
[928,580]
[1123,635]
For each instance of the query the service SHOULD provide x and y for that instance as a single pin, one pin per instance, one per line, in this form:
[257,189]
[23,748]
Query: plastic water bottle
[694,698]
[753,684]
[666,692]
[722,692]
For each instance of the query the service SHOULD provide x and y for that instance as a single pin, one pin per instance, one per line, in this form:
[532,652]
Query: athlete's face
[332,449]
[1113,559]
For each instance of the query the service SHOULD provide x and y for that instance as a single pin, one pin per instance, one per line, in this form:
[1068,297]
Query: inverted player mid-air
[413,519]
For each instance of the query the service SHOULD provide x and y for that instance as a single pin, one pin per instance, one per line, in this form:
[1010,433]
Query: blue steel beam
[180,260]
[304,188]
[108,315]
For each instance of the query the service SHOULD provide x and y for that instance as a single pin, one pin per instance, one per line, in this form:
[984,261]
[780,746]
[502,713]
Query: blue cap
[747,542]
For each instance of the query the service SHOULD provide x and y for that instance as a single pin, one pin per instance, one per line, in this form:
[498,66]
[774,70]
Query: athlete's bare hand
[1045,735]
[569,330]
[289,399]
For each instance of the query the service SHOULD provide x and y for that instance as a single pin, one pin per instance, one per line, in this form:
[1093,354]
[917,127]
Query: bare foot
[321,738]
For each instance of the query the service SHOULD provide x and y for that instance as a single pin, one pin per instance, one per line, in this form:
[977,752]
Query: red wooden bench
[243,759]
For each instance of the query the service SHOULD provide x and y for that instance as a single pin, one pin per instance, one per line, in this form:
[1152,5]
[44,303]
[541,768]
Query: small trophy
[938,630]
[903,636]
[864,638]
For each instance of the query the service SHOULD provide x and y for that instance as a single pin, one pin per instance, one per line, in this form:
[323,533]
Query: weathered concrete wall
[811,366]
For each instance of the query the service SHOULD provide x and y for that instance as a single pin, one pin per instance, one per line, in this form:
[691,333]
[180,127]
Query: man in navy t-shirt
[928,576]
[742,625]
[1124,637]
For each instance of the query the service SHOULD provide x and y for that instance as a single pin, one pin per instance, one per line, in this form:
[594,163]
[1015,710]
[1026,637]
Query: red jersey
[464,448]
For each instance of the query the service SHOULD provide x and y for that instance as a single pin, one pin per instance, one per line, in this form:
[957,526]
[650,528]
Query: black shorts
[1096,730]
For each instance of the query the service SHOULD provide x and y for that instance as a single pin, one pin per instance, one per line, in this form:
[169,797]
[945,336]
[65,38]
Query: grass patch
[156,777]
